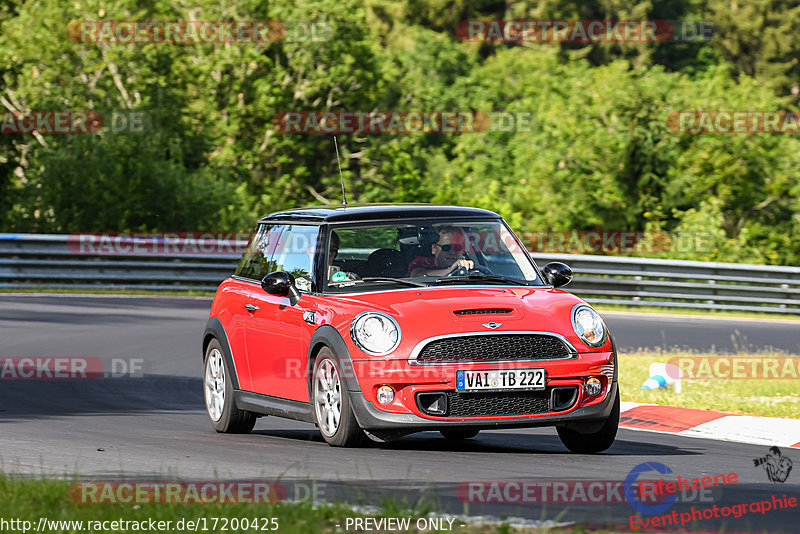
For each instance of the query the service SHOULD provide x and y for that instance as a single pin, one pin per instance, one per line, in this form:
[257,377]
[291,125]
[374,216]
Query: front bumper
[370,418]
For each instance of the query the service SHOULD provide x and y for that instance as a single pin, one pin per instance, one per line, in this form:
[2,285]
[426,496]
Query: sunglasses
[455,246]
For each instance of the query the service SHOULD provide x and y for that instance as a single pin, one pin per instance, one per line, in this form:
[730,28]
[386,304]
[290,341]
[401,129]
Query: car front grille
[492,404]
[497,403]
[489,348]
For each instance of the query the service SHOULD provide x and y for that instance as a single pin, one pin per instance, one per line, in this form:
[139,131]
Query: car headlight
[375,333]
[588,325]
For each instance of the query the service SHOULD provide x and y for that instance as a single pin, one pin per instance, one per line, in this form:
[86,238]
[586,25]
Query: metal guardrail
[58,261]
[682,284]
[61,261]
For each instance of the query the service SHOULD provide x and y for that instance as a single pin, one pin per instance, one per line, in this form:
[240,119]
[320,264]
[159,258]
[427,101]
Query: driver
[447,255]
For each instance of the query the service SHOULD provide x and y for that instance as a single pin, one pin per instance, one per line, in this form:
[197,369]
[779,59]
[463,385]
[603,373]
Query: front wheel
[335,418]
[596,441]
[222,410]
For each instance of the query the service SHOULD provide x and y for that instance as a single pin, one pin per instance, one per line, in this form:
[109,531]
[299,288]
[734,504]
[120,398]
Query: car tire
[456,434]
[218,393]
[329,398]
[596,441]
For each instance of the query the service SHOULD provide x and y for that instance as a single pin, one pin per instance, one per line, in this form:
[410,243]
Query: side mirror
[557,273]
[281,283]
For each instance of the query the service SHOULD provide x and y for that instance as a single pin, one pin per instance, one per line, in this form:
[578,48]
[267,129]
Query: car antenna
[336,144]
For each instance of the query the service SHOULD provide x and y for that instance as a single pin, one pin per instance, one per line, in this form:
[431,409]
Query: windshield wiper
[379,279]
[479,278]
[390,279]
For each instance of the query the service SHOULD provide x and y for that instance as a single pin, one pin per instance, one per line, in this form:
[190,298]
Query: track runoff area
[135,430]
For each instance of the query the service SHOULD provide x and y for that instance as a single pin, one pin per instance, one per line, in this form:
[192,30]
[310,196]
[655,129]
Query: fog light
[593,387]
[385,394]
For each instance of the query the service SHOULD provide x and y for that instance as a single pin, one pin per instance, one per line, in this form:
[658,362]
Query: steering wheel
[463,271]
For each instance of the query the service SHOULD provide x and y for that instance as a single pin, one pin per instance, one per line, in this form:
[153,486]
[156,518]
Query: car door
[235,292]
[276,331]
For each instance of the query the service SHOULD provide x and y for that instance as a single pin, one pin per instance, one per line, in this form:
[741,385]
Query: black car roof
[372,212]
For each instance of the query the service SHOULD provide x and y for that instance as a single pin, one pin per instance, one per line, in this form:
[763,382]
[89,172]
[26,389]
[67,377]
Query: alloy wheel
[328,397]
[215,385]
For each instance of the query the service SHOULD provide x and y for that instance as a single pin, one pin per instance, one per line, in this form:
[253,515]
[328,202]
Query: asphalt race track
[154,426]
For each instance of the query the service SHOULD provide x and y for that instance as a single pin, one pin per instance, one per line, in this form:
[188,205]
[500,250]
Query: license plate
[500,379]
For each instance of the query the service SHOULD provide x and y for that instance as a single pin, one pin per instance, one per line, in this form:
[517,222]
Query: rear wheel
[335,418]
[465,433]
[596,441]
[218,390]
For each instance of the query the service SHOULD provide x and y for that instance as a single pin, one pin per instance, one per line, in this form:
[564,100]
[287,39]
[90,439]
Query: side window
[257,261]
[295,254]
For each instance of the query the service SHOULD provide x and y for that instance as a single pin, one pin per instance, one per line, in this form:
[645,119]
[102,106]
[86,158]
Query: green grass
[772,398]
[30,499]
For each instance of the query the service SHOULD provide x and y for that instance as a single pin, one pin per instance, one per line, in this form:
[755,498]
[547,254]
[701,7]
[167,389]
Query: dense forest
[598,153]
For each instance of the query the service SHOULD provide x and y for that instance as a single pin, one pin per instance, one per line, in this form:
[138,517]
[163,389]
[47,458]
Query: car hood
[427,312]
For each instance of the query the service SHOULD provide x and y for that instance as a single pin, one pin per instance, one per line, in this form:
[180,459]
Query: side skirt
[266,405]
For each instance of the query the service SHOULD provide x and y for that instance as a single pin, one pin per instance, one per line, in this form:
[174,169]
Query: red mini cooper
[382,320]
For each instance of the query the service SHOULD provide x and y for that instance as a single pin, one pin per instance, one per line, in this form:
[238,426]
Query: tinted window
[424,251]
[257,261]
[295,253]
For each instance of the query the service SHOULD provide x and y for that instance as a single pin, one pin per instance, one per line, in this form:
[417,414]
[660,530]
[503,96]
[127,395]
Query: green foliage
[151,189]
[757,37]
[597,154]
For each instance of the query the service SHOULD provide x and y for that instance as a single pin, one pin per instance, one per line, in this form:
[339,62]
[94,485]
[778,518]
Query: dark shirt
[425,262]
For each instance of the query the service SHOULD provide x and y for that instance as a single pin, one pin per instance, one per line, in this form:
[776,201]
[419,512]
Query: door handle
[251,307]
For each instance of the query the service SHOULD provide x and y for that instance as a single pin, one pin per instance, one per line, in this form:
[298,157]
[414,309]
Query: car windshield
[425,253]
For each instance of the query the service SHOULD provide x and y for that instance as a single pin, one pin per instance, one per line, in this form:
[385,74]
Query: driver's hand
[468,264]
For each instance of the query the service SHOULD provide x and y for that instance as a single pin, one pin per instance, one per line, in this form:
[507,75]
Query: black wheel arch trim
[328,336]
[214,330]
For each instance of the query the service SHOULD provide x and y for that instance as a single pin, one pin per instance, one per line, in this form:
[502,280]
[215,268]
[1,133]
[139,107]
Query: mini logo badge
[492,325]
